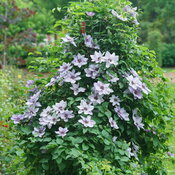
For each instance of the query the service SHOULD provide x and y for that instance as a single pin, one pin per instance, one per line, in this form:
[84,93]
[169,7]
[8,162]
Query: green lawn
[168,69]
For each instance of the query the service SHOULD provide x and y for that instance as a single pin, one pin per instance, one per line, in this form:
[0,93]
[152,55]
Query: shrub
[168,55]
[102,108]
[155,43]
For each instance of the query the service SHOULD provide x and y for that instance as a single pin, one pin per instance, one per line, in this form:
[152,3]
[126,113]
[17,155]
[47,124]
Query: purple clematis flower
[85,108]
[62,131]
[137,120]
[87,121]
[90,13]
[68,39]
[79,60]
[113,123]
[122,113]
[102,88]
[39,132]
[77,89]
[29,83]
[17,118]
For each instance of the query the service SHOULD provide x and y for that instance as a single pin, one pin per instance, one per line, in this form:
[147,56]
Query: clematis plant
[100,103]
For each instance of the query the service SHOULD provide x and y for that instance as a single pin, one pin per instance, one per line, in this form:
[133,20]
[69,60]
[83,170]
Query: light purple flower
[72,77]
[136,92]
[85,108]
[87,121]
[134,82]
[170,154]
[96,98]
[52,81]
[130,154]
[90,13]
[39,132]
[97,57]
[145,89]
[130,10]
[79,60]
[122,113]
[68,39]
[66,115]
[31,112]
[114,13]
[92,71]
[59,107]
[17,118]
[46,112]
[77,89]
[29,83]
[102,88]
[65,67]
[88,41]
[62,131]
[113,79]
[115,100]
[113,123]
[110,59]
[137,120]
[32,101]
[48,117]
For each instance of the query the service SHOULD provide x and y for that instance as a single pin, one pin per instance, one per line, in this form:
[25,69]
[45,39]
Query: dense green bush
[104,112]
[168,54]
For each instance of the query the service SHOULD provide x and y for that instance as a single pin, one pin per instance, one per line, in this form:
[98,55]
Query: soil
[170,76]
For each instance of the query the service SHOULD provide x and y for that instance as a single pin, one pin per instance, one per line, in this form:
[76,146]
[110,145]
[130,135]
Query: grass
[12,96]
[168,69]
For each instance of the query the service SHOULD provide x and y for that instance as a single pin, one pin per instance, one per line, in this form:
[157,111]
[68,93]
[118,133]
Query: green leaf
[85,147]
[105,134]
[108,113]
[59,141]
[26,129]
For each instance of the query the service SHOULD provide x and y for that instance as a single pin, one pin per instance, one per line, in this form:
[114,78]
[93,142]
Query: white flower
[97,57]
[113,123]
[114,13]
[111,59]
[96,98]
[66,115]
[68,39]
[62,131]
[60,107]
[102,88]
[87,122]
[122,113]
[72,77]
[115,100]
[85,108]
[77,89]
[92,71]
[79,60]
[137,119]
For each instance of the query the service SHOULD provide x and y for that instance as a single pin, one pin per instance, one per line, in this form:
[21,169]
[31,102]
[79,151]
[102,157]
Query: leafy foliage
[105,134]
